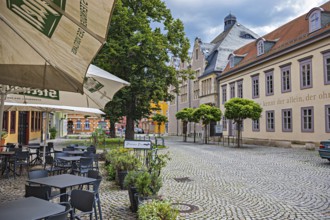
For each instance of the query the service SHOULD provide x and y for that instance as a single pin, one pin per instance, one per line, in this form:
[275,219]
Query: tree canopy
[238,109]
[142,37]
[207,113]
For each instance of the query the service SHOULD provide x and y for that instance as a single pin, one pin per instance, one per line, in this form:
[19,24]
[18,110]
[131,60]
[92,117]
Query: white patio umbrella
[10,106]
[49,44]
[99,88]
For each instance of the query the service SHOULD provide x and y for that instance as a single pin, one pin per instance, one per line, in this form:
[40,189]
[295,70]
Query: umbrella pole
[45,139]
[2,106]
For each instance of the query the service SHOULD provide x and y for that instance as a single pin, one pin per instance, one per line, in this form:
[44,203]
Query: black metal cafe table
[6,167]
[75,152]
[72,159]
[29,208]
[62,182]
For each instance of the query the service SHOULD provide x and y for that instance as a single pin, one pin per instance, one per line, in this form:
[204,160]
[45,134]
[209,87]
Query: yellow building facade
[152,127]
[288,73]
[22,127]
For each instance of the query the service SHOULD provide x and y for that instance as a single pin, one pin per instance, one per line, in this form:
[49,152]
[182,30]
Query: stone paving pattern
[251,182]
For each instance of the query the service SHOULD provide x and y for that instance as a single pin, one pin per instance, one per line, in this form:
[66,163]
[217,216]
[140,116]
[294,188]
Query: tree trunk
[238,133]
[159,129]
[205,134]
[184,131]
[129,134]
[194,132]
[112,129]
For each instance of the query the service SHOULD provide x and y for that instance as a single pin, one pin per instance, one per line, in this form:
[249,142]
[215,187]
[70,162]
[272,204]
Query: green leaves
[141,38]
[239,109]
[207,113]
[159,118]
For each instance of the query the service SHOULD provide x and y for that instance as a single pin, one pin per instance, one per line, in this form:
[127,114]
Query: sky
[205,18]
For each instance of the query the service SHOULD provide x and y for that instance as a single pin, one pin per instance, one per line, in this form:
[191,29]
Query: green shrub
[111,172]
[52,132]
[157,210]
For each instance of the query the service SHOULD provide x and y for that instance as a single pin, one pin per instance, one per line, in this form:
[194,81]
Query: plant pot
[121,177]
[132,198]
[142,199]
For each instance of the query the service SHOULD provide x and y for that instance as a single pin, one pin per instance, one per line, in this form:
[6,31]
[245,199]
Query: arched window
[260,47]
[315,21]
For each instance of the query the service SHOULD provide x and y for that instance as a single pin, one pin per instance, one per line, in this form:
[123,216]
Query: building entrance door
[23,128]
[70,127]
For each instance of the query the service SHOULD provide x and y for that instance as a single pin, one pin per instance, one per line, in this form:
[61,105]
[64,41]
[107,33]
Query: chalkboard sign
[218,130]
[137,144]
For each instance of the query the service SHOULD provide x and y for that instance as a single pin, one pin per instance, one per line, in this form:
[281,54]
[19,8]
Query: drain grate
[185,208]
[183,179]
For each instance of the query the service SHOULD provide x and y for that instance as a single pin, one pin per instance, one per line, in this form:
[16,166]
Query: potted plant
[52,132]
[129,183]
[122,161]
[4,135]
[147,186]
[156,209]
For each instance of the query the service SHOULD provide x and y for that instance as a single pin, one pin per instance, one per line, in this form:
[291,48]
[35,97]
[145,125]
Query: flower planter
[121,177]
[133,198]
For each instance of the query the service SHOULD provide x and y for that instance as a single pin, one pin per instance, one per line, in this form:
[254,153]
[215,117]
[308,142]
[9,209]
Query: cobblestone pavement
[216,182]
[247,183]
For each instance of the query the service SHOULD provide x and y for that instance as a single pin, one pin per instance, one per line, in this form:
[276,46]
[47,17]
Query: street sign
[137,144]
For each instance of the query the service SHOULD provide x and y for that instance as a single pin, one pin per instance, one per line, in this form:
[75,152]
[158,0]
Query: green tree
[159,119]
[206,114]
[238,109]
[184,115]
[142,37]
[113,110]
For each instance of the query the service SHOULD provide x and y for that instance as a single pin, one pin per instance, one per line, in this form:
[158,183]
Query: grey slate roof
[225,43]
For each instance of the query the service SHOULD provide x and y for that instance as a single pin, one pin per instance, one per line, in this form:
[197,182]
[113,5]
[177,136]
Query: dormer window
[260,47]
[231,61]
[315,21]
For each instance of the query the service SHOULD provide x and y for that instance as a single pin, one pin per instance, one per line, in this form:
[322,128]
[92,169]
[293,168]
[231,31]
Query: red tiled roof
[287,35]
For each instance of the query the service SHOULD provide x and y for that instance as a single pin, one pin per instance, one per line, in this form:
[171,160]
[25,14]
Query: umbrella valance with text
[99,88]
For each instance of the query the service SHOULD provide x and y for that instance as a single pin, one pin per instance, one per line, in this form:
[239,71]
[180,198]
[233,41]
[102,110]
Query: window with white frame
[306,74]
[87,127]
[326,67]
[232,90]
[184,94]
[307,119]
[270,121]
[260,47]
[224,94]
[240,89]
[196,89]
[224,123]
[255,125]
[286,79]
[269,83]
[286,120]
[255,86]
[314,21]
[327,118]
[78,127]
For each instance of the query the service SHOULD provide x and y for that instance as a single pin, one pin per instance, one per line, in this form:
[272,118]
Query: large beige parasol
[49,44]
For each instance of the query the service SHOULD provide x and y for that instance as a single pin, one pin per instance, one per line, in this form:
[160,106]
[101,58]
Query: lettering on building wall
[297,99]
